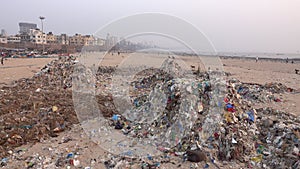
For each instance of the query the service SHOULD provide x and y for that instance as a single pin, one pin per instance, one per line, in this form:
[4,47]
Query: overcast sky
[231,25]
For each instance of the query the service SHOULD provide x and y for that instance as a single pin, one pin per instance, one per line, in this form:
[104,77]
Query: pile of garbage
[278,139]
[71,149]
[39,108]
[171,118]
[243,135]
[257,93]
[255,137]
[34,109]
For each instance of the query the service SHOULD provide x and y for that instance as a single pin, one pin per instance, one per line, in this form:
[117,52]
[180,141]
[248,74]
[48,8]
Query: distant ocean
[263,55]
[240,54]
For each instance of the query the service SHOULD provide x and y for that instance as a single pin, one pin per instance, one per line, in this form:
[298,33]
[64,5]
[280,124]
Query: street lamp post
[42,18]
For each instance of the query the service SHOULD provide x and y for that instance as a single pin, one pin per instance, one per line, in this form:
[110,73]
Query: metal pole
[43,36]
[42,18]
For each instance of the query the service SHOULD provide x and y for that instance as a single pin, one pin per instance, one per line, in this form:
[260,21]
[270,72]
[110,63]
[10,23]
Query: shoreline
[260,58]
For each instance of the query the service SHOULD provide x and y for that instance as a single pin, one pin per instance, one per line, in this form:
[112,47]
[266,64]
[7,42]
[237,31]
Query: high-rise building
[110,41]
[25,27]
[3,33]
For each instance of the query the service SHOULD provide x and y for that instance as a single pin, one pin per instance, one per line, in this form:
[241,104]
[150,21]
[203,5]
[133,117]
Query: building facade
[110,41]
[3,40]
[25,27]
[51,38]
[88,40]
[13,39]
[25,37]
[99,41]
[81,40]
[37,36]
[76,39]
[63,39]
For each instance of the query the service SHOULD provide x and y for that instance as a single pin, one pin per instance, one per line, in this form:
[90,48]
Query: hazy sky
[232,25]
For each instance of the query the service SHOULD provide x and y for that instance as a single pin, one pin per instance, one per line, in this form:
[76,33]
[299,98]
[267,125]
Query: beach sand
[17,68]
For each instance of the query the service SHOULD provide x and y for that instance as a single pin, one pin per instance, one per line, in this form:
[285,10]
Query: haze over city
[231,25]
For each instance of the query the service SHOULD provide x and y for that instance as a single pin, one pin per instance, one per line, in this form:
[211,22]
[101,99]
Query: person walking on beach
[2,60]
[256,60]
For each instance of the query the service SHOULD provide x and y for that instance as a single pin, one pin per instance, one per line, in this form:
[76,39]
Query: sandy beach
[17,68]
[246,70]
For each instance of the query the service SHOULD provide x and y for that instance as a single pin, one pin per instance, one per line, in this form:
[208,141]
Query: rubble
[37,108]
